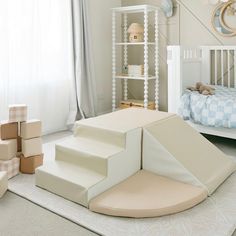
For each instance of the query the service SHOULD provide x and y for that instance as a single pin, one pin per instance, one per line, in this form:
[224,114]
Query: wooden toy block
[8,130]
[31,129]
[8,149]
[3,182]
[31,147]
[29,164]
[11,167]
[17,113]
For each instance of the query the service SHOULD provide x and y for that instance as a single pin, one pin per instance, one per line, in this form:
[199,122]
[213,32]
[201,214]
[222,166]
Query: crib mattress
[218,110]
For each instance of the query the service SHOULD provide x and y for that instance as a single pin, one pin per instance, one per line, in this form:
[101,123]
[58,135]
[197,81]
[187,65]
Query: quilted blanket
[218,110]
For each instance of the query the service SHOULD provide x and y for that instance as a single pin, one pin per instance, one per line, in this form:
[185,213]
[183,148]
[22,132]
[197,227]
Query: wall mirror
[224,19]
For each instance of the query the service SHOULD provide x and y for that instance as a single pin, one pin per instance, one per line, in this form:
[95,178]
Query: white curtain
[36,59]
[85,84]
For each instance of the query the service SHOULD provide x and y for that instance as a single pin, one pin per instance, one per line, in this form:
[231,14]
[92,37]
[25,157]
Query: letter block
[31,129]
[29,164]
[17,113]
[8,149]
[31,147]
[8,130]
[12,167]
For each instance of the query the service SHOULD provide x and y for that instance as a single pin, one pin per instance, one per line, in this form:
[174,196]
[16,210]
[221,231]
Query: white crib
[209,64]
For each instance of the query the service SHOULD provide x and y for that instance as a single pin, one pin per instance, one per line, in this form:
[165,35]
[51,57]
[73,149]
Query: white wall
[100,18]
[195,25]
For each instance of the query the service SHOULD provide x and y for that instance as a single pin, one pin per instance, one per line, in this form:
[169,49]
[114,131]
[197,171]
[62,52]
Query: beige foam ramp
[174,149]
[146,194]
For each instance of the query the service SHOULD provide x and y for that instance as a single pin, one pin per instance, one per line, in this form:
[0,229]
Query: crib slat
[216,67]
[228,61]
[222,67]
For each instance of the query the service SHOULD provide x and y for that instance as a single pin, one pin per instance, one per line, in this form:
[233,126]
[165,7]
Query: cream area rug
[216,216]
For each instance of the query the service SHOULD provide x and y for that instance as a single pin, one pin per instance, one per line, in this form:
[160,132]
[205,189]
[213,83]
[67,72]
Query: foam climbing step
[108,163]
[147,195]
[108,146]
[174,149]
[89,152]
[68,180]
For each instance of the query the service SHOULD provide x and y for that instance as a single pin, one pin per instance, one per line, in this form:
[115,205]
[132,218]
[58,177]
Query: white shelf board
[135,77]
[135,9]
[139,43]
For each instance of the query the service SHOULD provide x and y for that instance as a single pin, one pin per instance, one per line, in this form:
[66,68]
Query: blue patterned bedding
[218,110]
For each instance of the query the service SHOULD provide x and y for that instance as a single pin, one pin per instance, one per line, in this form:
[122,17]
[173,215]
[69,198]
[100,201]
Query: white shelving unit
[145,10]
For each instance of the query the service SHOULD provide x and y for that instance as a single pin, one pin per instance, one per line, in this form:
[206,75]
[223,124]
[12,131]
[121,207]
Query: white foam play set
[135,163]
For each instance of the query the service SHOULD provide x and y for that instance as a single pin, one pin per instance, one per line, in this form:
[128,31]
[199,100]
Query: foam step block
[31,147]
[147,195]
[31,129]
[11,167]
[68,180]
[8,149]
[8,130]
[17,112]
[104,163]
[3,183]
[29,164]
[191,159]
[78,150]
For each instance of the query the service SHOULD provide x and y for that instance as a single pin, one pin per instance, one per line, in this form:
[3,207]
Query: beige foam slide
[174,149]
[147,195]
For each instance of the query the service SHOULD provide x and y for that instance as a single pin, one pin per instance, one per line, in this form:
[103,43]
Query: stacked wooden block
[20,138]
[32,156]
[10,142]
[9,161]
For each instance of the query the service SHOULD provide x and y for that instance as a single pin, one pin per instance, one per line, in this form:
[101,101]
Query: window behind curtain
[36,59]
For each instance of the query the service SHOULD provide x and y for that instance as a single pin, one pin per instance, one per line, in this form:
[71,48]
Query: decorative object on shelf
[167,7]
[136,103]
[135,70]
[135,33]
[143,34]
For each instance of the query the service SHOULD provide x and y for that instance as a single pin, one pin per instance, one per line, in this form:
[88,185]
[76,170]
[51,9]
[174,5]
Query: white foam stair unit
[94,159]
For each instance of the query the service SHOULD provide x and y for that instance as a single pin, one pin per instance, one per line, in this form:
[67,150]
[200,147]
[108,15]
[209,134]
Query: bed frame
[209,64]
